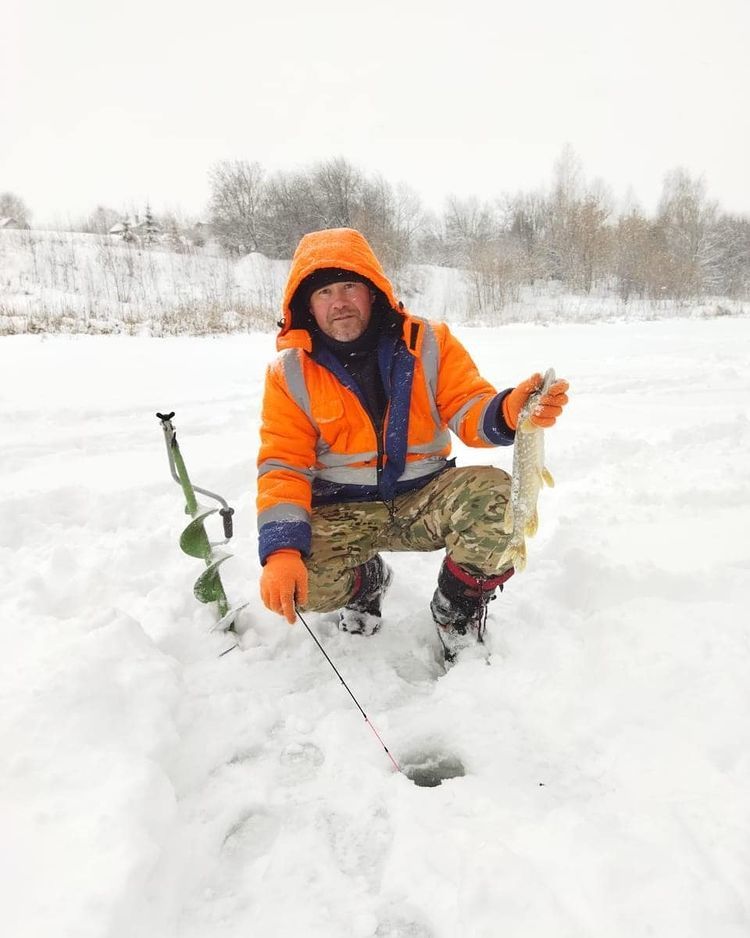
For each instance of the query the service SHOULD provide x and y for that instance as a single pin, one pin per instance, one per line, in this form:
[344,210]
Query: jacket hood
[332,247]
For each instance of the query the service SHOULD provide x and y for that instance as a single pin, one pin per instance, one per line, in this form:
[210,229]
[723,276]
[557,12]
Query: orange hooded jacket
[318,441]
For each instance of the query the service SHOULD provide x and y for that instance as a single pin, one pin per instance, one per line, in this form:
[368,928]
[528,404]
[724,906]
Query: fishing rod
[338,675]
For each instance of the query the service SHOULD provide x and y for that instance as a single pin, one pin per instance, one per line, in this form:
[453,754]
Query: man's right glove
[284,581]
[547,410]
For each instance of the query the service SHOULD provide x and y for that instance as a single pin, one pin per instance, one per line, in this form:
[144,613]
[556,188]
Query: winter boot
[459,606]
[362,614]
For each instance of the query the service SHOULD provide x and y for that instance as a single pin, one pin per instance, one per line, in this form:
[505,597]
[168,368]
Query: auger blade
[208,587]
[226,622]
[194,540]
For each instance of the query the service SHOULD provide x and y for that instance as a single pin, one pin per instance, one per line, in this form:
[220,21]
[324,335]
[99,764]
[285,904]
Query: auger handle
[226,517]
[179,474]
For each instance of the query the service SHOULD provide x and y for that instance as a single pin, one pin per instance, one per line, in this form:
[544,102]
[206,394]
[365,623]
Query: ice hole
[428,770]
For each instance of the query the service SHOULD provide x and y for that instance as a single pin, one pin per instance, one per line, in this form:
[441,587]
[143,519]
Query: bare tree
[733,235]
[527,219]
[593,237]
[290,212]
[576,238]
[336,193]
[686,222]
[477,239]
[467,223]
[390,219]
[238,204]
[429,240]
[632,242]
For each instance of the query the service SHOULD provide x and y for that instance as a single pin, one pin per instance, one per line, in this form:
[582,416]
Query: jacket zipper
[379,438]
[380,444]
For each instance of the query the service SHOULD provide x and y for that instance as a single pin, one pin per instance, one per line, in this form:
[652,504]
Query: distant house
[9,222]
[199,233]
[141,229]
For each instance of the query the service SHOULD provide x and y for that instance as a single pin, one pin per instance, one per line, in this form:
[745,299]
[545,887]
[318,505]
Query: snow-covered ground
[151,788]
[58,281]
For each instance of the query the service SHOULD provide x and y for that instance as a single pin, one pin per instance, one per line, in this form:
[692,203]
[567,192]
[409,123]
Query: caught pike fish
[527,477]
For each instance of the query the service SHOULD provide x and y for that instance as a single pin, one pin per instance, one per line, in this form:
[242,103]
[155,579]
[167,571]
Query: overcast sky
[119,103]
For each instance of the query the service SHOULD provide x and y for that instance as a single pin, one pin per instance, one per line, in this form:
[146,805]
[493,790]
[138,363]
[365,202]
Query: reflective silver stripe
[369,476]
[457,419]
[422,467]
[480,426]
[333,460]
[285,511]
[271,465]
[291,359]
[437,443]
[430,358]
[345,476]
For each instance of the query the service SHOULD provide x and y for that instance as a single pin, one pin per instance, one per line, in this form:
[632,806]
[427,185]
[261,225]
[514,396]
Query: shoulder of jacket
[440,331]
[287,358]
[436,325]
[420,334]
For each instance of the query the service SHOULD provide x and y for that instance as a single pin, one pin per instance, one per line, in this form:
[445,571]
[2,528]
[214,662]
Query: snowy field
[151,788]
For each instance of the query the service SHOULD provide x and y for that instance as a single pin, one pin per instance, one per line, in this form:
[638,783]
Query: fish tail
[519,558]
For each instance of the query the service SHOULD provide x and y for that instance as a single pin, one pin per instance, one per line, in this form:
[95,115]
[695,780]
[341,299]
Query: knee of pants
[477,516]
[329,590]
[494,475]
[490,478]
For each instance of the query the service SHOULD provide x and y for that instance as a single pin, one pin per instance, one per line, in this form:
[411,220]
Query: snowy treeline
[569,233]
[557,253]
[73,283]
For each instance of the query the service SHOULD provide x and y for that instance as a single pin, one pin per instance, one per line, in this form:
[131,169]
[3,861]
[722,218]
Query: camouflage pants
[461,510]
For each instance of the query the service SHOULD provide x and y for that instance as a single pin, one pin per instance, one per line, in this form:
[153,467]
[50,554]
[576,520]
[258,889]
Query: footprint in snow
[252,834]
[299,762]
[402,926]
[360,842]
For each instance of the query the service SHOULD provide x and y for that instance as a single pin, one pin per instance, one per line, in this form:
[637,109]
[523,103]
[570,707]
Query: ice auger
[194,539]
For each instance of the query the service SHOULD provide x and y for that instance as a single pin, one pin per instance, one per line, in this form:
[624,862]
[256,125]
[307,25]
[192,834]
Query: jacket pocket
[327,411]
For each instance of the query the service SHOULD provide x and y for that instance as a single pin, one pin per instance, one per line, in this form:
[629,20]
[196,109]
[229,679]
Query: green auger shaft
[191,502]
[194,539]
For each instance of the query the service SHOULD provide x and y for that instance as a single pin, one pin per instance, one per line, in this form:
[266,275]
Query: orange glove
[284,580]
[547,410]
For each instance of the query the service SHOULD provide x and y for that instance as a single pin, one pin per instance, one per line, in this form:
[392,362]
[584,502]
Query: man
[355,446]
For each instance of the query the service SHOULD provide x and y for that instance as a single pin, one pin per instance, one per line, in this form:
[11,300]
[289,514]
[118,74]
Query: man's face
[342,309]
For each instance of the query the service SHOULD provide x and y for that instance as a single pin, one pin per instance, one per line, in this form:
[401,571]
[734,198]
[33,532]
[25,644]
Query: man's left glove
[547,410]
[284,582]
